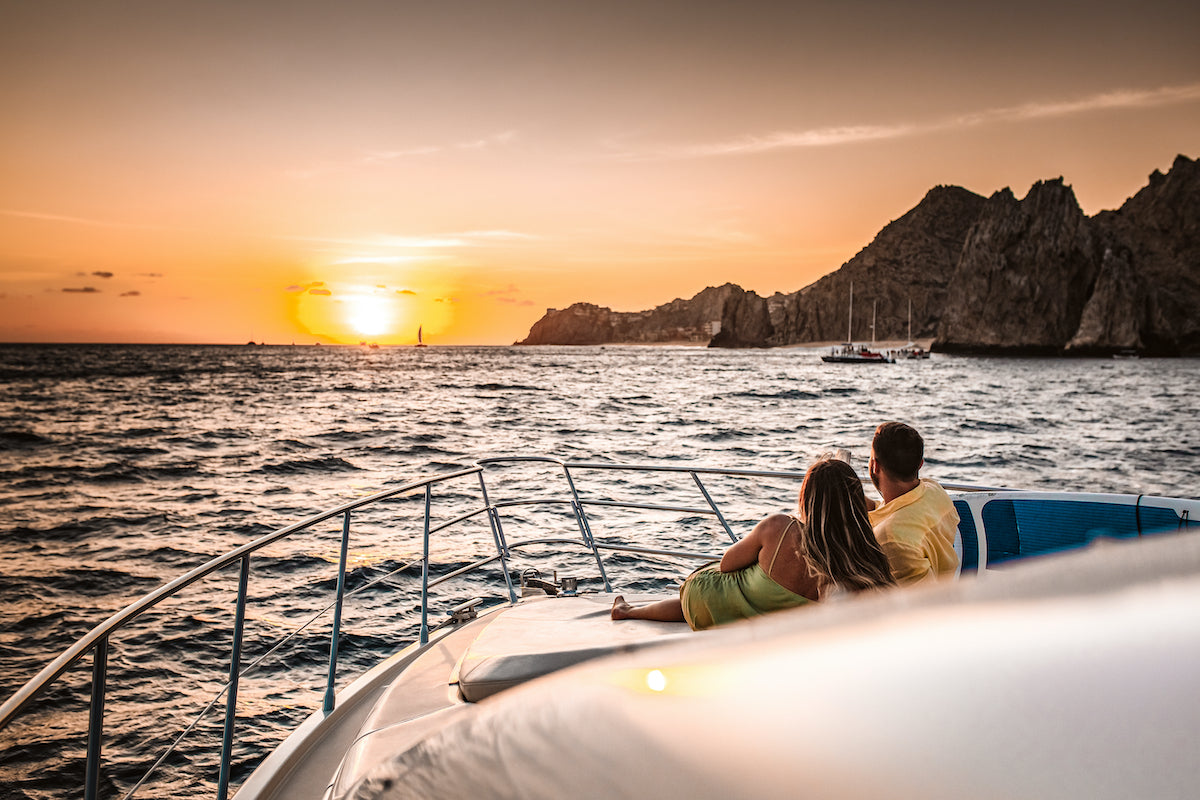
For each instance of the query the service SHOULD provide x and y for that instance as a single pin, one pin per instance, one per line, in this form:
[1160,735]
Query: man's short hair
[899,450]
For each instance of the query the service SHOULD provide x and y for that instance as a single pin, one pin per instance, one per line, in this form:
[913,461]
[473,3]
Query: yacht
[1060,661]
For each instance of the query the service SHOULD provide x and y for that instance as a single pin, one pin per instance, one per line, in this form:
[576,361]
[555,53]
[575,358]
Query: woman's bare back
[780,537]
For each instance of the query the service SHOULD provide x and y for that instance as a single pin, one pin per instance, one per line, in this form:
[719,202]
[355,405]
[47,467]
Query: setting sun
[370,316]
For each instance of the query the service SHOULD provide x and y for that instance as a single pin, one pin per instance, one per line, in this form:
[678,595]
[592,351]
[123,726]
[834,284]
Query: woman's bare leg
[670,610]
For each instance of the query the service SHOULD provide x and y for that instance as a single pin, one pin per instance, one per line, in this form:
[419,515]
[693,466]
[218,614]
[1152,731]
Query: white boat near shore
[851,353]
[1071,632]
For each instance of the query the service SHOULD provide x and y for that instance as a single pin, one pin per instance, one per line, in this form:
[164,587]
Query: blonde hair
[836,539]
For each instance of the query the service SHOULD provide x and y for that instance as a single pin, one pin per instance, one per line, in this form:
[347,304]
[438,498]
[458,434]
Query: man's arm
[909,564]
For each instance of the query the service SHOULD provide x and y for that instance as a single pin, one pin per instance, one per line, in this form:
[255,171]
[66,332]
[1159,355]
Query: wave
[505,387]
[786,394]
[78,530]
[17,440]
[329,464]
[991,426]
[721,435]
[97,582]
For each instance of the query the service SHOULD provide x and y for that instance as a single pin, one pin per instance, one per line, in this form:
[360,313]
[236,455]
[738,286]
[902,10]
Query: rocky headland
[983,275]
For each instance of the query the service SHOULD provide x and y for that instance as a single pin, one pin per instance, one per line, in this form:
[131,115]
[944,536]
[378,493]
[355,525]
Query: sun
[369,316]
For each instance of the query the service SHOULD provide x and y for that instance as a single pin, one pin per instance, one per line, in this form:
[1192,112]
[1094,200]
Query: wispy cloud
[383,156]
[379,157]
[499,235]
[391,259]
[447,241]
[98,223]
[787,140]
[495,140]
[1117,100]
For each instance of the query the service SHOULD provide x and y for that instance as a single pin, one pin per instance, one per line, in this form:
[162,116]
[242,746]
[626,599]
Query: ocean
[124,466]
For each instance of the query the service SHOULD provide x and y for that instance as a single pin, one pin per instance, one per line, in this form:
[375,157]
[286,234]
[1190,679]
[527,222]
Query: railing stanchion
[337,615]
[424,638]
[713,505]
[91,786]
[585,529]
[235,666]
[498,538]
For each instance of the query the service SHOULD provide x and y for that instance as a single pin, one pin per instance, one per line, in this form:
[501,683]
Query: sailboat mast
[874,306]
[910,320]
[850,319]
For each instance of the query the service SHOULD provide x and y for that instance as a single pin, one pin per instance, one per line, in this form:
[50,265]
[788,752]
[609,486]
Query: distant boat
[911,350]
[420,342]
[850,353]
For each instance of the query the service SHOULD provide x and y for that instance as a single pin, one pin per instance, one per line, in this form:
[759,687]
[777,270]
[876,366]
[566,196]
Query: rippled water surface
[124,466]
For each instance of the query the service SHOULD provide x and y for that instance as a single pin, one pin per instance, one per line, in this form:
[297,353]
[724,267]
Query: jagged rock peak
[1024,274]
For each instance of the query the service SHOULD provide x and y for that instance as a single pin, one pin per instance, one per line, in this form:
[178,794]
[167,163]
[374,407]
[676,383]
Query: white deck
[415,693]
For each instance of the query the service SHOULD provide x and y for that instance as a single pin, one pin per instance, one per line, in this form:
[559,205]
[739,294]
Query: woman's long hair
[836,539]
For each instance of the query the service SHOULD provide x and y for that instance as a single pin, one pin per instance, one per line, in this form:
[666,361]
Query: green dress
[711,597]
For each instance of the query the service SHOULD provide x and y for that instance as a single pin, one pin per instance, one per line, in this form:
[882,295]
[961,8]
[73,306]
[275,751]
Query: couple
[842,542]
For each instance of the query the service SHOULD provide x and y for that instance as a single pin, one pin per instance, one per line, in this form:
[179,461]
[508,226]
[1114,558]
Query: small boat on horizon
[912,350]
[420,341]
[850,353]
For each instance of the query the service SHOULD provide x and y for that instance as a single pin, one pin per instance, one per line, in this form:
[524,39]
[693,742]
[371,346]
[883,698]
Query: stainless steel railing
[96,641]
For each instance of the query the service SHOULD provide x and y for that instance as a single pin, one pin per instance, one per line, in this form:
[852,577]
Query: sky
[223,172]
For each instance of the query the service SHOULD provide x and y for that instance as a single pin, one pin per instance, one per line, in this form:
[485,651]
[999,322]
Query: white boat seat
[542,635]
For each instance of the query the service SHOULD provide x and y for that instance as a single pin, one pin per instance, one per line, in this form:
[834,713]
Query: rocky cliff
[724,316]
[912,258]
[1147,293]
[1037,275]
[994,275]
[1024,274]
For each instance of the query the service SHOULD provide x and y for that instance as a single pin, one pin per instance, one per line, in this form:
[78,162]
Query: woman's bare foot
[621,609]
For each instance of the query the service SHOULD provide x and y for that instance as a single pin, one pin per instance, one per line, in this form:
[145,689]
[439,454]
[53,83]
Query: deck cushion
[544,634]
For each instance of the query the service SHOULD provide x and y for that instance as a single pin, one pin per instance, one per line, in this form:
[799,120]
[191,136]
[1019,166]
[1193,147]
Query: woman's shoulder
[781,520]
[773,525]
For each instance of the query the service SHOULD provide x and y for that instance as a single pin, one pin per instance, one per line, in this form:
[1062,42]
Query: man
[916,523]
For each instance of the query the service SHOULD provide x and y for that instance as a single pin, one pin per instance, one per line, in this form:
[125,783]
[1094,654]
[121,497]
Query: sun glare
[369,316]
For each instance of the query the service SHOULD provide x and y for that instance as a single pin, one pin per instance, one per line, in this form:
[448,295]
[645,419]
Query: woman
[784,561]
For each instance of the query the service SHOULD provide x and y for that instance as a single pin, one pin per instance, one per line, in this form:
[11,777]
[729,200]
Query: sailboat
[850,353]
[420,343]
[911,350]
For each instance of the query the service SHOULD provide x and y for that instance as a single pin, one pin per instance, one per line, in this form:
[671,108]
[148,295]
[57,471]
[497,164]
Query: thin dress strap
[791,521]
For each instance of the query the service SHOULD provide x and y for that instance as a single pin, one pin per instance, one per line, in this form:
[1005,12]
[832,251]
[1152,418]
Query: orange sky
[224,172]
